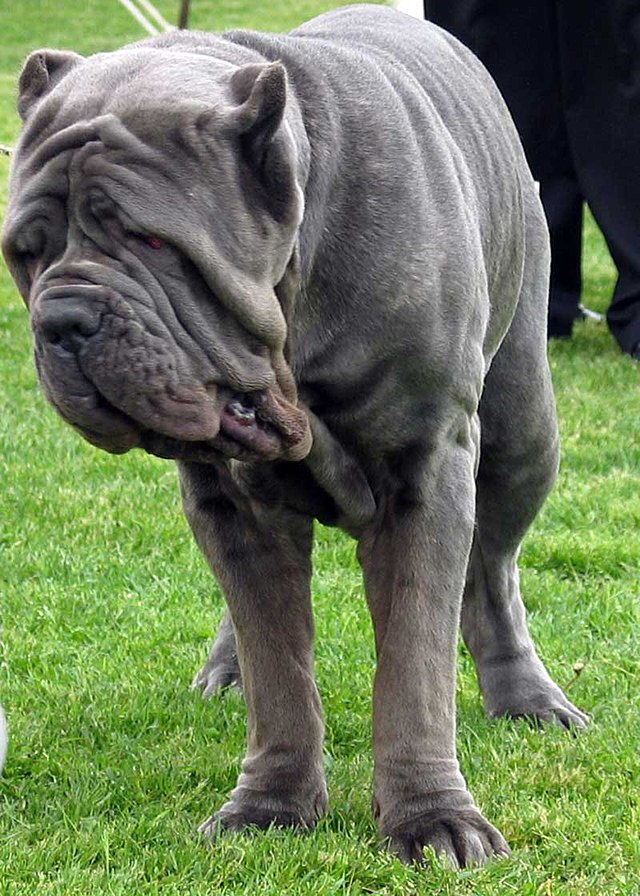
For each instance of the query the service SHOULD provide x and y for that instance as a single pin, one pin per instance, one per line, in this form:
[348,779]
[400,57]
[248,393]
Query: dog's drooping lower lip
[244,434]
[252,427]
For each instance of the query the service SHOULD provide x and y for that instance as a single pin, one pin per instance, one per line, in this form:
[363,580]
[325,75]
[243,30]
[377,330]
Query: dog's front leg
[264,567]
[414,562]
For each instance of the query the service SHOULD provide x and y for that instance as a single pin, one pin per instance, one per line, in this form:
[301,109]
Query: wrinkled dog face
[148,240]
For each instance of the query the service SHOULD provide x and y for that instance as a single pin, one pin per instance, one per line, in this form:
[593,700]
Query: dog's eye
[24,252]
[154,242]
[100,206]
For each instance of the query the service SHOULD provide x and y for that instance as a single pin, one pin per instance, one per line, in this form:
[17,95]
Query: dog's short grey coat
[313,269]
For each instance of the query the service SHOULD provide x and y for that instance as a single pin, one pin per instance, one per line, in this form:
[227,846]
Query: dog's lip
[258,425]
[247,432]
[99,422]
[243,421]
[254,426]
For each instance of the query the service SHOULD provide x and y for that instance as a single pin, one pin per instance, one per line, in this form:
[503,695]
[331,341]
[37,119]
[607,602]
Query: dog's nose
[66,323]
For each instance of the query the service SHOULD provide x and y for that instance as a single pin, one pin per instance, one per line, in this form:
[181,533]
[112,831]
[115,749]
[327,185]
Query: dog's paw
[459,838]
[216,675]
[559,712]
[237,820]
[263,811]
[535,697]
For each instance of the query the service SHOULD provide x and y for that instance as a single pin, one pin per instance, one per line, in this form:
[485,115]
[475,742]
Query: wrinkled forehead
[130,132]
[113,115]
[123,82]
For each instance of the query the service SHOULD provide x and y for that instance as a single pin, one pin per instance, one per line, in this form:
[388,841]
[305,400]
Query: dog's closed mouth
[259,425]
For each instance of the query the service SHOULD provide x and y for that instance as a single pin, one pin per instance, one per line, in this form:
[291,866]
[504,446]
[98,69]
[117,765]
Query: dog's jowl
[311,268]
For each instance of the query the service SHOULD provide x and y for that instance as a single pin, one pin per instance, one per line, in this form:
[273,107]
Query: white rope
[142,20]
[140,17]
[153,12]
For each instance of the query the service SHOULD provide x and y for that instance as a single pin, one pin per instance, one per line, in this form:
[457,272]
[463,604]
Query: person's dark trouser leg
[562,203]
[623,315]
[601,79]
[518,42]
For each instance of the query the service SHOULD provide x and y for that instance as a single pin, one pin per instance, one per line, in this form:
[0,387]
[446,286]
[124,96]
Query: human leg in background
[600,62]
[518,42]
[563,203]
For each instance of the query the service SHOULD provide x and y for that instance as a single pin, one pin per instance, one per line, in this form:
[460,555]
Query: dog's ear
[261,93]
[253,121]
[42,71]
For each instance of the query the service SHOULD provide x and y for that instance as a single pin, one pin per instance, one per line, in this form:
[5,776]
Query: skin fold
[313,269]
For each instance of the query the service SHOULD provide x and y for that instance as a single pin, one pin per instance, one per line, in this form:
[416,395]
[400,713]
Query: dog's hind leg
[518,465]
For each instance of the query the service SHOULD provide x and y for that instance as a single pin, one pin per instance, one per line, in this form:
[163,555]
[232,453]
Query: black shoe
[559,327]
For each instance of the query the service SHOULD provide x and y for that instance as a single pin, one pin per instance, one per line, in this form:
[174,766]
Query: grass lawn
[108,611]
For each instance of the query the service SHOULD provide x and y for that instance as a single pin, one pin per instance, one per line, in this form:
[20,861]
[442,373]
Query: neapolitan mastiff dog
[313,270]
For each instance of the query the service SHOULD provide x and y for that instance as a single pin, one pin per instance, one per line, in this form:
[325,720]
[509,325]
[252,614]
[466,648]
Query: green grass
[108,610]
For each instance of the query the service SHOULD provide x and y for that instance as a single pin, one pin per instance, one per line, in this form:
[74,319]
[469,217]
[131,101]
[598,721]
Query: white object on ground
[589,314]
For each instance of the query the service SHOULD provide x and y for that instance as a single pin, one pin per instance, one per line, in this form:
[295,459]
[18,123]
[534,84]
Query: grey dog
[311,268]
